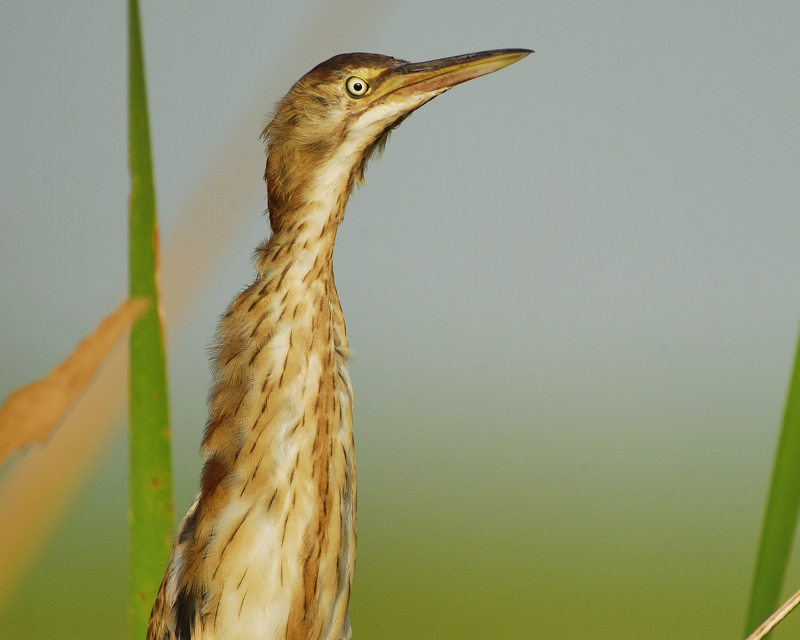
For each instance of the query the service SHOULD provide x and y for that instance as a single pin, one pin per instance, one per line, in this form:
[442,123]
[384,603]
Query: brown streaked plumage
[267,550]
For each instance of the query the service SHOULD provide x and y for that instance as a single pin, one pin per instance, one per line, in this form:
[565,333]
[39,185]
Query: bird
[267,549]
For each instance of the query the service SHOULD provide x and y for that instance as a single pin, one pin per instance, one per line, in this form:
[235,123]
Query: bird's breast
[273,544]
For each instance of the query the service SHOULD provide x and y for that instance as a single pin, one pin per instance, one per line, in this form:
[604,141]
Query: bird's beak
[416,79]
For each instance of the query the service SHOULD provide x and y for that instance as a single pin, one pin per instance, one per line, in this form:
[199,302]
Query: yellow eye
[356,86]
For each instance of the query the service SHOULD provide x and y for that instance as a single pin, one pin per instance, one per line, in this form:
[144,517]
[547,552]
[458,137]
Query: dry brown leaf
[38,487]
[32,412]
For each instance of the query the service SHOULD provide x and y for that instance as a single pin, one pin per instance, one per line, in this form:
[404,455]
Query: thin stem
[770,623]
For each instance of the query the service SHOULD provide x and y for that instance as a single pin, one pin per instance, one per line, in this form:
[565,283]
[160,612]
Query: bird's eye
[356,86]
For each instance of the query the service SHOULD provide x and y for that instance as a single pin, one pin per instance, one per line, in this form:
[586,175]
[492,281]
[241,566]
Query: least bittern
[267,549]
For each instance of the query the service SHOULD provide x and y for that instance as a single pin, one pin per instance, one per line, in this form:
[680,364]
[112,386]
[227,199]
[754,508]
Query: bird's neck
[291,310]
[308,187]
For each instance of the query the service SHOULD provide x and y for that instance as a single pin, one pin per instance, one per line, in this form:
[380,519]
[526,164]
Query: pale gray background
[571,287]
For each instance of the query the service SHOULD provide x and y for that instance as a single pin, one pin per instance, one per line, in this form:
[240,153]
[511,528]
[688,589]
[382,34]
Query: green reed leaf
[151,508]
[780,518]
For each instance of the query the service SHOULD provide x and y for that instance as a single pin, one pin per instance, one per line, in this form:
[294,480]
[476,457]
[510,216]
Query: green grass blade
[780,518]
[151,517]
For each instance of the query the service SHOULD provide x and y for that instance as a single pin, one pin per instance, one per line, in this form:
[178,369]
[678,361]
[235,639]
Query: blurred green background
[571,292]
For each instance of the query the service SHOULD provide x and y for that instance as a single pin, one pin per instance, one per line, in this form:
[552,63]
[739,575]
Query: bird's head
[341,112]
